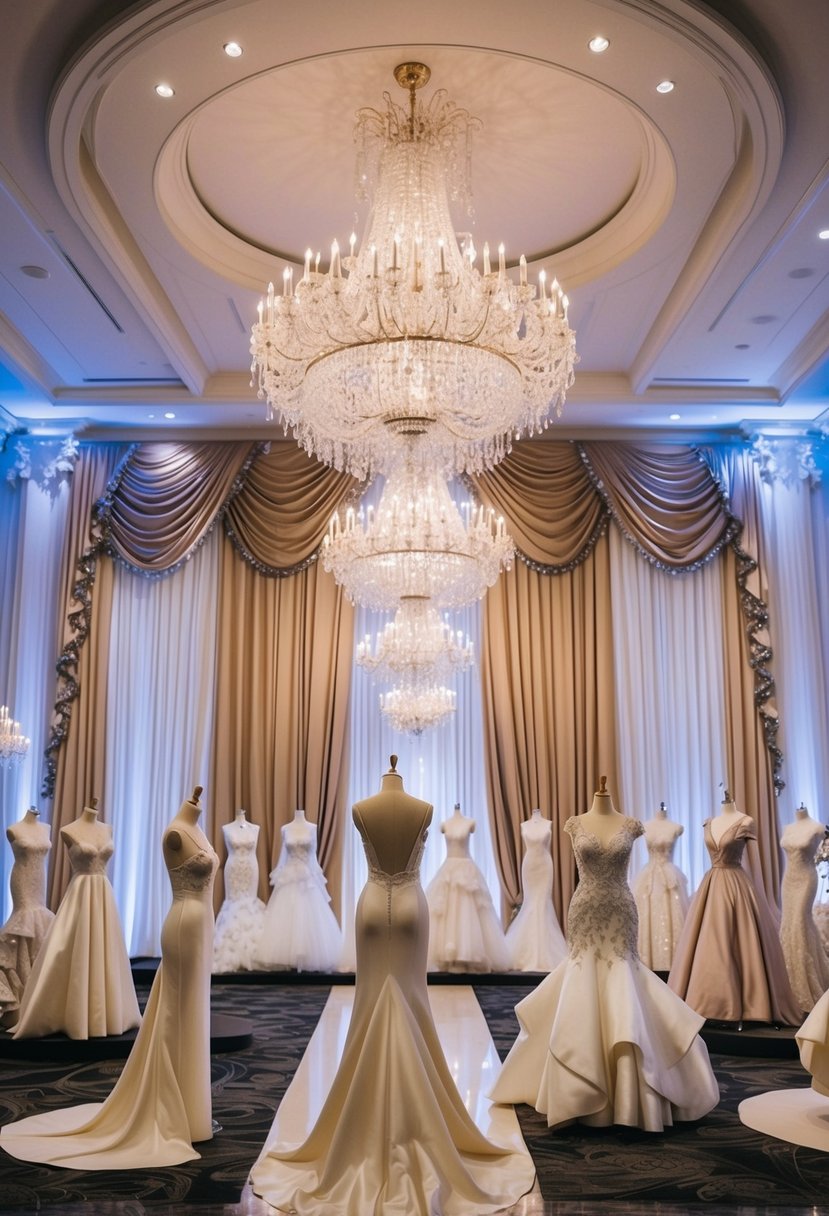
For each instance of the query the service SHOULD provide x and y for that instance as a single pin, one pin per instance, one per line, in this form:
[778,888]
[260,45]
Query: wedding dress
[603,1040]
[813,1042]
[161,1102]
[24,932]
[299,929]
[534,938]
[806,961]
[661,895]
[393,1137]
[728,963]
[81,982]
[464,931]
[241,916]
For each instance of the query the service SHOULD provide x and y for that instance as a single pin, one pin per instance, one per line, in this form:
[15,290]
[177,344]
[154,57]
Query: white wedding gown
[81,982]
[661,894]
[241,916]
[464,931]
[806,962]
[299,929]
[25,931]
[393,1137]
[603,1040]
[534,938]
[161,1102]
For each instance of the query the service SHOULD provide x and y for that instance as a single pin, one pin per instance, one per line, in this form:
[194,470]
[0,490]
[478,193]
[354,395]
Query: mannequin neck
[189,812]
[802,812]
[89,815]
[728,808]
[241,816]
[32,815]
[536,814]
[662,812]
[391,783]
[299,816]
[602,804]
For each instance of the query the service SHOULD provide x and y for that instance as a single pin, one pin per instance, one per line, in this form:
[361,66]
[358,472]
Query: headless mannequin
[661,829]
[242,818]
[602,819]
[803,829]
[183,838]
[457,817]
[87,828]
[536,827]
[392,820]
[29,830]
[728,816]
[299,828]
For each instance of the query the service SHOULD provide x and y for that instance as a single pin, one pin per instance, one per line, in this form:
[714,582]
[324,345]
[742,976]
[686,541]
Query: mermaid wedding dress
[393,1137]
[806,961]
[603,1040]
[25,931]
[240,919]
[534,938]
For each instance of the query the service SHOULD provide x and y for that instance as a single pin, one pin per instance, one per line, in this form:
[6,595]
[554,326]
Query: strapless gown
[805,958]
[393,1137]
[661,895]
[25,931]
[299,929]
[241,916]
[81,982]
[161,1102]
[603,1040]
[534,938]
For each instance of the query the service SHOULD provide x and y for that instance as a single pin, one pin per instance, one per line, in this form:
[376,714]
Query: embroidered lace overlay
[602,919]
[194,875]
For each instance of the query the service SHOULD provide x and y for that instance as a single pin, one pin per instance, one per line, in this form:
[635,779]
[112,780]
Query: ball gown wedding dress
[24,932]
[534,938]
[661,894]
[299,929]
[161,1102]
[393,1137]
[464,931]
[806,962]
[603,1040]
[81,982]
[729,963]
[241,916]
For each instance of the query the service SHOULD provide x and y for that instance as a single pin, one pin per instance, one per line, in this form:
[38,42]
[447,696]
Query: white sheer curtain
[668,647]
[32,531]
[160,690]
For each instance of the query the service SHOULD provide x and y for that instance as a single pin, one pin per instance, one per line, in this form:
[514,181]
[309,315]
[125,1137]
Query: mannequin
[419,1150]
[806,961]
[81,981]
[728,964]
[534,937]
[23,933]
[602,1040]
[161,1102]
[661,893]
[240,919]
[299,930]
[464,931]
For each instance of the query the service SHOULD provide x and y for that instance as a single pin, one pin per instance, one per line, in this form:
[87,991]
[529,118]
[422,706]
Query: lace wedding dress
[81,982]
[393,1137]
[299,929]
[161,1102]
[728,963]
[23,933]
[806,962]
[534,938]
[661,895]
[241,916]
[464,931]
[603,1040]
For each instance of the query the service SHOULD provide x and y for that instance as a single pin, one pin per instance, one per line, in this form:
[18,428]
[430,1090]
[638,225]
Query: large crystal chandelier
[417,543]
[417,644]
[13,743]
[416,707]
[411,336]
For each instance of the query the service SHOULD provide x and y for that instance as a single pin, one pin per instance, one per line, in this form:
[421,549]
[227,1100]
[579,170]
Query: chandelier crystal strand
[13,743]
[414,708]
[415,645]
[417,543]
[407,338]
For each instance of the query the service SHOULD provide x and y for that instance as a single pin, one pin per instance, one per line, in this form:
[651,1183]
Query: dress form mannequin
[239,923]
[418,1149]
[602,1039]
[161,1102]
[728,963]
[81,981]
[23,933]
[299,930]
[534,937]
[806,961]
[464,930]
[661,893]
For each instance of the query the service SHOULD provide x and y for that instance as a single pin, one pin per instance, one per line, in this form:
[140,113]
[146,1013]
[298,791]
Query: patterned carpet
[716,1162]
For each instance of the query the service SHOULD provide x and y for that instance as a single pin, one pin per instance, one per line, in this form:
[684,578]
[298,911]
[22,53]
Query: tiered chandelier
[413,708]
[13,743]
[417,644]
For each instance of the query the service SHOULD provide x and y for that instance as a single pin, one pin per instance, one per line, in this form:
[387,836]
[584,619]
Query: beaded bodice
[86,857]
[242,867]
[194,875]
[405,877]
[28,877]
[800,849]
[602,918]
[299,846]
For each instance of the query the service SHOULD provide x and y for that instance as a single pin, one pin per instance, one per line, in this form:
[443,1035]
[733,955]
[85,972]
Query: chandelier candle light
[410,338]
[414,708]
[416,644]
[13,743]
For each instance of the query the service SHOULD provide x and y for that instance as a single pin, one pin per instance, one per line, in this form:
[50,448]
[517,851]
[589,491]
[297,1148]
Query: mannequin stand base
[756,1039]
[798,1116]
[226,1034]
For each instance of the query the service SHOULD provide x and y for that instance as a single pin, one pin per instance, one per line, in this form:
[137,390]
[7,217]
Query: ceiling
[137,233]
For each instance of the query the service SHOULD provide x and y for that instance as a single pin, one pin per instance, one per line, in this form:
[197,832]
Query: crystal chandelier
[416,544]
[408,337]
[415,645]
[13,744]
[415,707]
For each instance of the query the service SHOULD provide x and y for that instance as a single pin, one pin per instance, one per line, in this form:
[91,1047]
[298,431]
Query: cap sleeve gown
[728,963]
[464,931]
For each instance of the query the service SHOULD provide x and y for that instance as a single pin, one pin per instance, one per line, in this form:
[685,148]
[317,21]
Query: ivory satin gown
[393,1137]
[534,938]
[161,1102]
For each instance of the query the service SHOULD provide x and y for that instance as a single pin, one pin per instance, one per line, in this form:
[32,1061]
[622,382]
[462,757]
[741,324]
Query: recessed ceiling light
[801,272]
[232,49]
[165,90]
[742,346]
[598,44]
[665,86]
[169,414]
[763,318]
[824,234]
[35,272]
[674,417]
